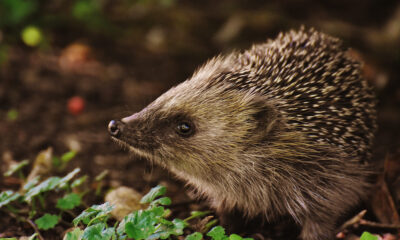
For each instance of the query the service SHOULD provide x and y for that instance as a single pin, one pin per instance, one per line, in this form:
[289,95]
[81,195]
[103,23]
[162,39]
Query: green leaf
[68,156]
[16,167]
[33,236]
[94,232]
[140,225]
[84,9]
[8,196]
[178,226]
[156,211]
[162,201]
[69,176]
[194,236]
[8,238]
[47,221]
[217,233]
[99,231]
[153,194]
[167,228]
[69,201]
[56,161]
[95,212]
[31,36]
[75,234]
[16,11]
[79,181]
[12,115]
[101,176]
[368,236]
[197,214]
[30,184]
[47,185]
[50,184]
[109,233]
[235,237]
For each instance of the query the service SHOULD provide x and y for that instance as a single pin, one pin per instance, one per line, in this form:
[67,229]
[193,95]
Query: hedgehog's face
[191,129]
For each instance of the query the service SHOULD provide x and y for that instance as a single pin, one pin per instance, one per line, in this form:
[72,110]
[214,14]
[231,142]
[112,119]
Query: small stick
[354,220]
[35,228]
[378,225]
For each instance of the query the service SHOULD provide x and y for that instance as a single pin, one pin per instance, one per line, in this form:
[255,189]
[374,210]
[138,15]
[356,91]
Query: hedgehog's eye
[184,129]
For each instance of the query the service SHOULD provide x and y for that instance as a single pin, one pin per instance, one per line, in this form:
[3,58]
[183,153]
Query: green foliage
[85,9]
[194,236]
[99,231]
[197,214]
[68,156]
[64,181]
[47,221]
[45,186]
[34,190]
[94,214]
[16,168]
[368,236]
[30,184]
[150,223]
[79,181]
[75,234]
[12,114]
[50,184]
[14,12]
[69,201]
[153,194]
[90,13]
[141,224]
[235,237]
[217,233]
[61,162]
[7,196]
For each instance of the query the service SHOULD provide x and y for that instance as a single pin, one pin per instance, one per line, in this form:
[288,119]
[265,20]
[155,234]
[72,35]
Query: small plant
[30,204]
[149,223]
[12,115]
[368,236]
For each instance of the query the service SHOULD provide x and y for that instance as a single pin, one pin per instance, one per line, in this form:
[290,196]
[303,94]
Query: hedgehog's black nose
[115,128]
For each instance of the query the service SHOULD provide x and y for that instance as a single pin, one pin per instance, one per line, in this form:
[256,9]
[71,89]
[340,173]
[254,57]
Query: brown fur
[280,129]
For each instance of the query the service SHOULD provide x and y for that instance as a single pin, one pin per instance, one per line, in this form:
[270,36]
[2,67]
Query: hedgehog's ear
[266,116]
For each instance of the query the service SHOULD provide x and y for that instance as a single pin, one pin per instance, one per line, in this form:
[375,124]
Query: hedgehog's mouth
[135,149]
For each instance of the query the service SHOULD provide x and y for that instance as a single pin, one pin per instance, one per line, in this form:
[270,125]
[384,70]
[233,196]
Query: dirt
[117,74]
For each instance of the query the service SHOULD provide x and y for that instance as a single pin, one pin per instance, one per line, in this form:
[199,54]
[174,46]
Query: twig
[358,219]
[35,228]
[354,220]
[378,225]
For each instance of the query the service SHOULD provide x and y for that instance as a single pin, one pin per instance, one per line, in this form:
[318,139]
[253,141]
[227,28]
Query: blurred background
[67,67]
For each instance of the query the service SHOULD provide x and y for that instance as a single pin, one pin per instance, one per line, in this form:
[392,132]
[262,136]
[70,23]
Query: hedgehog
[281,129]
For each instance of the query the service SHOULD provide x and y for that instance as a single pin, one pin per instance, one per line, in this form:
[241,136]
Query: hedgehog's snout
[115,128]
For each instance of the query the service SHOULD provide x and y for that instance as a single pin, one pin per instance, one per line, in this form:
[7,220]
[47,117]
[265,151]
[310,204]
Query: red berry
[76,105]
